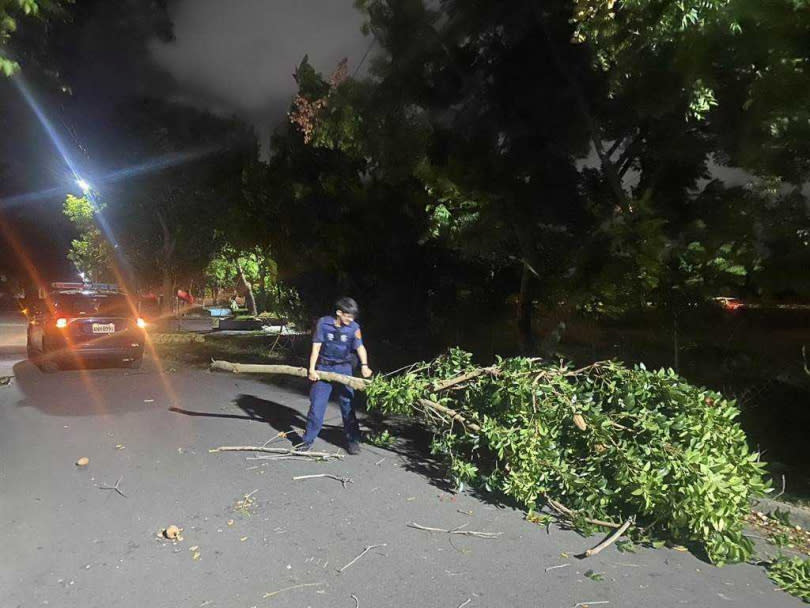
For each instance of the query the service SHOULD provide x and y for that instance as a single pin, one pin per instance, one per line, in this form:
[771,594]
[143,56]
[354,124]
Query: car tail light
[61,323]
[141,323]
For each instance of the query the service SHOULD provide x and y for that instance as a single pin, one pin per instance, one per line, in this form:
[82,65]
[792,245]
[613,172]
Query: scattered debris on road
[366,550]
[113,487]
[83,461]
[278,453]
[458,530]
[172,532]
[343,480]
[290,588]
[245,505]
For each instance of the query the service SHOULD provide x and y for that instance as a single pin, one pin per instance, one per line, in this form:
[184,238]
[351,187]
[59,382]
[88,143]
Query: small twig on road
[115,487]
[465,602]
[457,531]
[277,451]
[583,604]
[610,539]
[343,480]
[379,462]
[356,601]
[555,567]
[366,550]
[273,593]
[275,438]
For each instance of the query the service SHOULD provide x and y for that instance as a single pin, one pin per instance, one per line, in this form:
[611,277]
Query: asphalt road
[65,541]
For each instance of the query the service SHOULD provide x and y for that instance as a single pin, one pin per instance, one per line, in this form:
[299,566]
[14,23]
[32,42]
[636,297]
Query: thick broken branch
[282,451]
[287,370]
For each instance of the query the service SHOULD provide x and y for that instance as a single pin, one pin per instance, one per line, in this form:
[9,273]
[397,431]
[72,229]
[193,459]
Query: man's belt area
[322,361]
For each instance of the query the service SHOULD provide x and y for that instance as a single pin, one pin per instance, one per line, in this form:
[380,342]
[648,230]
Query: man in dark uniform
[333,343]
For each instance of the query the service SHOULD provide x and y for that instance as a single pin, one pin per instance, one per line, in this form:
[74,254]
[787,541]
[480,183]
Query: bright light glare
[141,323]
[83,185]
[61,323]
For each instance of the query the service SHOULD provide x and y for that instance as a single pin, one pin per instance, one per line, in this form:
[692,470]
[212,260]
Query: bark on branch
[287,370]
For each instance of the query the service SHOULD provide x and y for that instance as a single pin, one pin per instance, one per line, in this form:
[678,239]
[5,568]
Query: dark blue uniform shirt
[337,343]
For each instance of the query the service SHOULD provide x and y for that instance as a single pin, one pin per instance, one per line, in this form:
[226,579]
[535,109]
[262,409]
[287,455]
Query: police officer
[334,341]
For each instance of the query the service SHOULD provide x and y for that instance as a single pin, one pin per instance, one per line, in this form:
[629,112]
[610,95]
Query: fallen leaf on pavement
[83,461]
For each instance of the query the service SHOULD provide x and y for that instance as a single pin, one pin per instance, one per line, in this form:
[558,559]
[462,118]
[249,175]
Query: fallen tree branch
[359,384]
[610,539]
[563,510]
[280,451]
[457,531]
[343,480]
[366,550]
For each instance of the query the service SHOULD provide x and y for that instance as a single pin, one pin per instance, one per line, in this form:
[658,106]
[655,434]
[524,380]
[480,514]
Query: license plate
[103,328]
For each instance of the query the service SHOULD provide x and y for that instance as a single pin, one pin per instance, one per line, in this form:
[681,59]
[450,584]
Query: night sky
[227,58]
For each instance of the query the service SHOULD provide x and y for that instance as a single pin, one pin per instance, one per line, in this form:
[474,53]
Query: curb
[798,515]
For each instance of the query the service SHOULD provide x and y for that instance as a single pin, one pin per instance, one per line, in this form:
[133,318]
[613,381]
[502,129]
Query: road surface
[68,542]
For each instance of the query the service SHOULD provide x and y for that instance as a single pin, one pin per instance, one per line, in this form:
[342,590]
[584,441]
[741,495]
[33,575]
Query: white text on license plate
[103,328]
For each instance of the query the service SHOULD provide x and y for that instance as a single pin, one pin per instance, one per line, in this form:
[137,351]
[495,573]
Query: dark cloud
[239,56]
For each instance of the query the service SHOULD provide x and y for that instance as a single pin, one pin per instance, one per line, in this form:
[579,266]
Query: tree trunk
[168,292]
[249,299]
[594,127]
[168,247]
[524,312]
[263,286]
[676,347]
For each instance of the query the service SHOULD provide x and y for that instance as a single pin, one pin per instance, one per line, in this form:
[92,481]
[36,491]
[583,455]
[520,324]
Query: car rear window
[112,305]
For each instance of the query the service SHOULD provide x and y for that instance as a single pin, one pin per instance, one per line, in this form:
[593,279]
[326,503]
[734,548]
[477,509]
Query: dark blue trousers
[319,398]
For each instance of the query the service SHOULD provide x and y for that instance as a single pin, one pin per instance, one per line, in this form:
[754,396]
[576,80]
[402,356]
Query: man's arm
[313,361]
[362,353]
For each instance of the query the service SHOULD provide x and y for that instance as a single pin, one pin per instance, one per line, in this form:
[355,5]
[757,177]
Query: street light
[83,185]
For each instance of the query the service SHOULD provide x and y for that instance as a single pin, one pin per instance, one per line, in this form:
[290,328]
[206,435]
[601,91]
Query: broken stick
[457,531]
[280,451]
[366,550]
[343,480]
[610,539]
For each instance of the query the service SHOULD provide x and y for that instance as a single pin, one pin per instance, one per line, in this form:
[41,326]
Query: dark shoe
[303,447]
[354,448]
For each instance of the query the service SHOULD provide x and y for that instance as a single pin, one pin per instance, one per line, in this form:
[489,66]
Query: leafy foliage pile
[792,575]
[605,441]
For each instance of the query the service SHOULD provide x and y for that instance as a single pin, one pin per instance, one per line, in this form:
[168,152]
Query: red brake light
[61,323]
[141,323]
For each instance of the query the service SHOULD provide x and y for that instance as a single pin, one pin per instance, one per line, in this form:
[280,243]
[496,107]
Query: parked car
[79,321]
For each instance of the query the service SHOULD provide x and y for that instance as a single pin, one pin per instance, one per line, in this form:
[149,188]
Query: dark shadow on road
[85,392]
[280,417]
